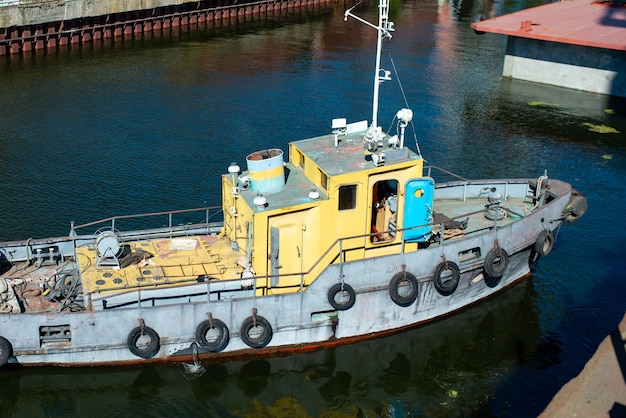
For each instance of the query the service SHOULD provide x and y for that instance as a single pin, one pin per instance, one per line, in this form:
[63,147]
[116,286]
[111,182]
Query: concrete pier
[28,25]
[600,388]
[577,44]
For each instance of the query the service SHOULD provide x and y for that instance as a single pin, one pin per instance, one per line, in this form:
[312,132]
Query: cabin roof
[295,192]
[348,157]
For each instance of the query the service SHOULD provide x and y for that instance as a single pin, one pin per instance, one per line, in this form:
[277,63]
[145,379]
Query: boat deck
[161,262]
[167,263]
[172,262]
[473,212]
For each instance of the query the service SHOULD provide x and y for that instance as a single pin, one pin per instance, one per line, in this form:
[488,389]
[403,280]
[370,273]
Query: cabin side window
[384,211]
[347,197]
[323,180]
[297,158]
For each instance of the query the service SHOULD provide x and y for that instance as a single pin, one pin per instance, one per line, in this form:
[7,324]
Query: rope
[419,152]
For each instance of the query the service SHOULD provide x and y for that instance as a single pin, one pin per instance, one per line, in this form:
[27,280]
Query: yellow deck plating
[174,261]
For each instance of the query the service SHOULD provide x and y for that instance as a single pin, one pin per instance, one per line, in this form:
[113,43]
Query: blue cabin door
[418,209]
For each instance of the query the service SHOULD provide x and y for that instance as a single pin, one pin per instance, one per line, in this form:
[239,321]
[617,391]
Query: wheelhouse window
[297,158]
[323,180]
[384,211]
[347,197]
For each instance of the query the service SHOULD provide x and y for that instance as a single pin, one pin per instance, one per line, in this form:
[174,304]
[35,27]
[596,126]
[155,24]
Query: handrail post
[341,255]
[495,220]
[443,230]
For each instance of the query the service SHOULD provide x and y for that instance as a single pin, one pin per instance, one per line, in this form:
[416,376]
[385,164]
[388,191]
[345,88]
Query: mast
[383,22]
[384,29]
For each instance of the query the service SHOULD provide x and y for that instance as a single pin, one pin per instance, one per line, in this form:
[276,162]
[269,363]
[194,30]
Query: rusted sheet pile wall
[27,25]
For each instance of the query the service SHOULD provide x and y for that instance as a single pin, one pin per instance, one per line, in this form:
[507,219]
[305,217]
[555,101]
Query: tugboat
[351,238]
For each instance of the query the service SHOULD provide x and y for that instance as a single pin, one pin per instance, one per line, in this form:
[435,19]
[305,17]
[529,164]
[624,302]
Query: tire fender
[256,331]
[544,243]
[148,350]
[6,351]
[403,279]
[213,344]
[496,262]
[347,291]
[446,277]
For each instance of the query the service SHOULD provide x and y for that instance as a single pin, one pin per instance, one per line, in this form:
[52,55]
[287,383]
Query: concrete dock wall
[34,12]
[30,25]
[578,67]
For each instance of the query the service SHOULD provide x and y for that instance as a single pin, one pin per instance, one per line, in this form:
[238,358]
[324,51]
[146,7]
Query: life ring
[143,350]
[346,291]
[496,262]
[446,277]
[256,331]
[544,242]
[6,351]
[407,283]
[213,335]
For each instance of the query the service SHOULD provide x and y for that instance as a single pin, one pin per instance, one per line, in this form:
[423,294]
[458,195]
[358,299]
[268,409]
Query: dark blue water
[149,125]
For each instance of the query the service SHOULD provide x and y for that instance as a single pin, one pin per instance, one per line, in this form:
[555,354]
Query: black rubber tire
[148,351]
[347,290]
[259,340]
[6,351]
[214,345]
[399,280]
[576,207]
[496,262]
[446,285]
[544,243]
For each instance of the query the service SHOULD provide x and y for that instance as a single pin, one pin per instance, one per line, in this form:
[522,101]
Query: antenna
[384,28]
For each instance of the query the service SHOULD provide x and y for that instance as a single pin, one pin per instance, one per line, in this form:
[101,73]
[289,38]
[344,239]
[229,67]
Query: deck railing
[430,168]
[171,222]
[334,254]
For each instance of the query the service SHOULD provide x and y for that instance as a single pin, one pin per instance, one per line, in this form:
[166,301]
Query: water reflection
[589,119]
